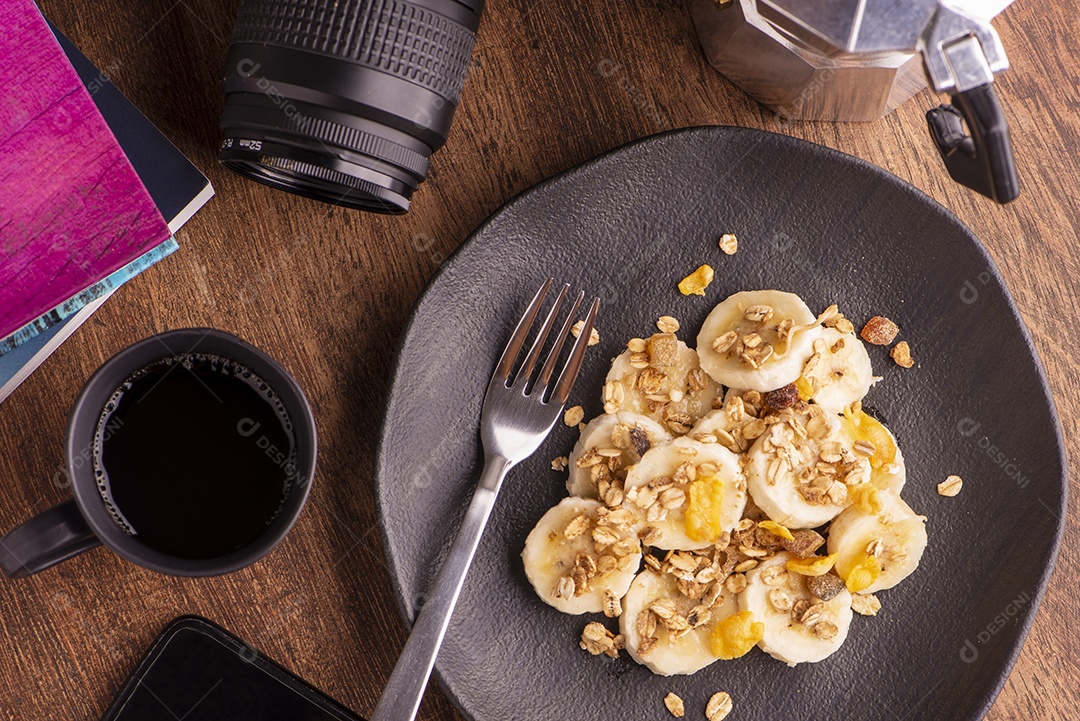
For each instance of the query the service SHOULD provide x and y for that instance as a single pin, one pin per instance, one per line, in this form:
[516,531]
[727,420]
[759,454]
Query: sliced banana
[582,555]
[664,382]
[838,371]
[725,425]
[688,492]
[871,438]
[757,339]
[607,446]
[799,627]
[883,547]
[799,469]
[673,639]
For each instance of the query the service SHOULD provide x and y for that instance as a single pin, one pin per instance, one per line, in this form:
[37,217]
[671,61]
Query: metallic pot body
[823,59]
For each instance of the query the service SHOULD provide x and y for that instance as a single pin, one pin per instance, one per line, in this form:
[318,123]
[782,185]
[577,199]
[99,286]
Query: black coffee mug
[86,522]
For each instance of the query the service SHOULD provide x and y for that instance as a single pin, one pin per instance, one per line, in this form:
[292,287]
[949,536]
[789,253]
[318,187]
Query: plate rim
[1004,671]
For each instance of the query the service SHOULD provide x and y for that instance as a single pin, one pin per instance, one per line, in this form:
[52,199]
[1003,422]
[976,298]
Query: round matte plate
[626,227]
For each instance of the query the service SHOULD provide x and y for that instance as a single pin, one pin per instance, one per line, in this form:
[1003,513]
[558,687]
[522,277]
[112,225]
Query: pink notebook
[72,209]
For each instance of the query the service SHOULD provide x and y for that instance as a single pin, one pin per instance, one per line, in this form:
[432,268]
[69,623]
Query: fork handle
[401,697]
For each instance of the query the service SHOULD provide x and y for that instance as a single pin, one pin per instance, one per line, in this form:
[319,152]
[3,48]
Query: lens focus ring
[394,37]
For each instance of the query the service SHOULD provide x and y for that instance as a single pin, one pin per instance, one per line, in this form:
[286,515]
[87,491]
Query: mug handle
[45,540]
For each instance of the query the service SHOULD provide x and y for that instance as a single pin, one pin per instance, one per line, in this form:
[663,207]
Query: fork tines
[523,378]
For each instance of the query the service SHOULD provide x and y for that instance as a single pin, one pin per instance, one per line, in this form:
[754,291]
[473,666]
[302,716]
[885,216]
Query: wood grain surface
[326,291]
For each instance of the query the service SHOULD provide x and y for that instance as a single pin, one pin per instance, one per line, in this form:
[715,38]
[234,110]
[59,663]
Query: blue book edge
[75,303]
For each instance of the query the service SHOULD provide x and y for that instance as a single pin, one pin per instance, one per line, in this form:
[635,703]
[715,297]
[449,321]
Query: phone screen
[196,671]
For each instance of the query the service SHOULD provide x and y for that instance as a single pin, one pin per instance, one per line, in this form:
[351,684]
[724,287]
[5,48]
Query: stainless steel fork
[517,416]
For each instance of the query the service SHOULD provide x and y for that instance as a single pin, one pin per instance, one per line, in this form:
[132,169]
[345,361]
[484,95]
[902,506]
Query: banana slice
[838,371]
[799,469]
[673,638]
[581,555]
[725,425]
[799,627]
[688,492]
[664,382]
[878,550]
[757,339]
[871,438]
[607,446]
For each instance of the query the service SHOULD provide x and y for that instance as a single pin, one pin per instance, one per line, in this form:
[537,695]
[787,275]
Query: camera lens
[344,101]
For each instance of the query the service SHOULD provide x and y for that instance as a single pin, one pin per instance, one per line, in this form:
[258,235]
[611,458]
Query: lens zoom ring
[392,36]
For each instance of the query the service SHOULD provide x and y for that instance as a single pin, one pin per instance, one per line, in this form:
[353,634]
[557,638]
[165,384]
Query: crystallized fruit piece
[804,387]
[736,635]
[697,282]
[777,530]
[782,398]
[879,330]
[705,511]
[813,566]
[804,544]
[825,586]
[663,350]
[863,574]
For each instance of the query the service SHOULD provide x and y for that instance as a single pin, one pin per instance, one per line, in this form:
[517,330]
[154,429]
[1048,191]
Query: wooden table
[327,290]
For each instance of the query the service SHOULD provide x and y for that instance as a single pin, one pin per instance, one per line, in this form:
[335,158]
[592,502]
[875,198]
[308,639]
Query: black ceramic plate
[627,226]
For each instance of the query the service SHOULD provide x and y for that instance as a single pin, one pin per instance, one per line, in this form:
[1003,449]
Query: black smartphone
[198,671]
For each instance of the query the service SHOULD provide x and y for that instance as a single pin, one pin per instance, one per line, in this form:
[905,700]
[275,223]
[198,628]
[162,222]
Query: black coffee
[194,456]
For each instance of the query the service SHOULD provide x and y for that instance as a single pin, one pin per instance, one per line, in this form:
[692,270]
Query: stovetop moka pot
[861,59]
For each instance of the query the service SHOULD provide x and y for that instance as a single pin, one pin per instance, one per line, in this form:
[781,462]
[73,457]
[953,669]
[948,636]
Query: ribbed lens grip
[392,36]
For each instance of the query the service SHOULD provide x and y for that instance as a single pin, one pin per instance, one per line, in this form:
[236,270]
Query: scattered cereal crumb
[560,463]
[594,335]
[950,486]
[637,345]
[719,706]
[833,318]
[667,324]
[865,604]
[581,426]
[674,705]
[697,282]
[879,330]
[729,243]
[573,416]
[596,639]
[612,604]
[901,353]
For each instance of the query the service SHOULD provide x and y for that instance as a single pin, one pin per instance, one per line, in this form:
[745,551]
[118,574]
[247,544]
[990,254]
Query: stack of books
[92,193]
